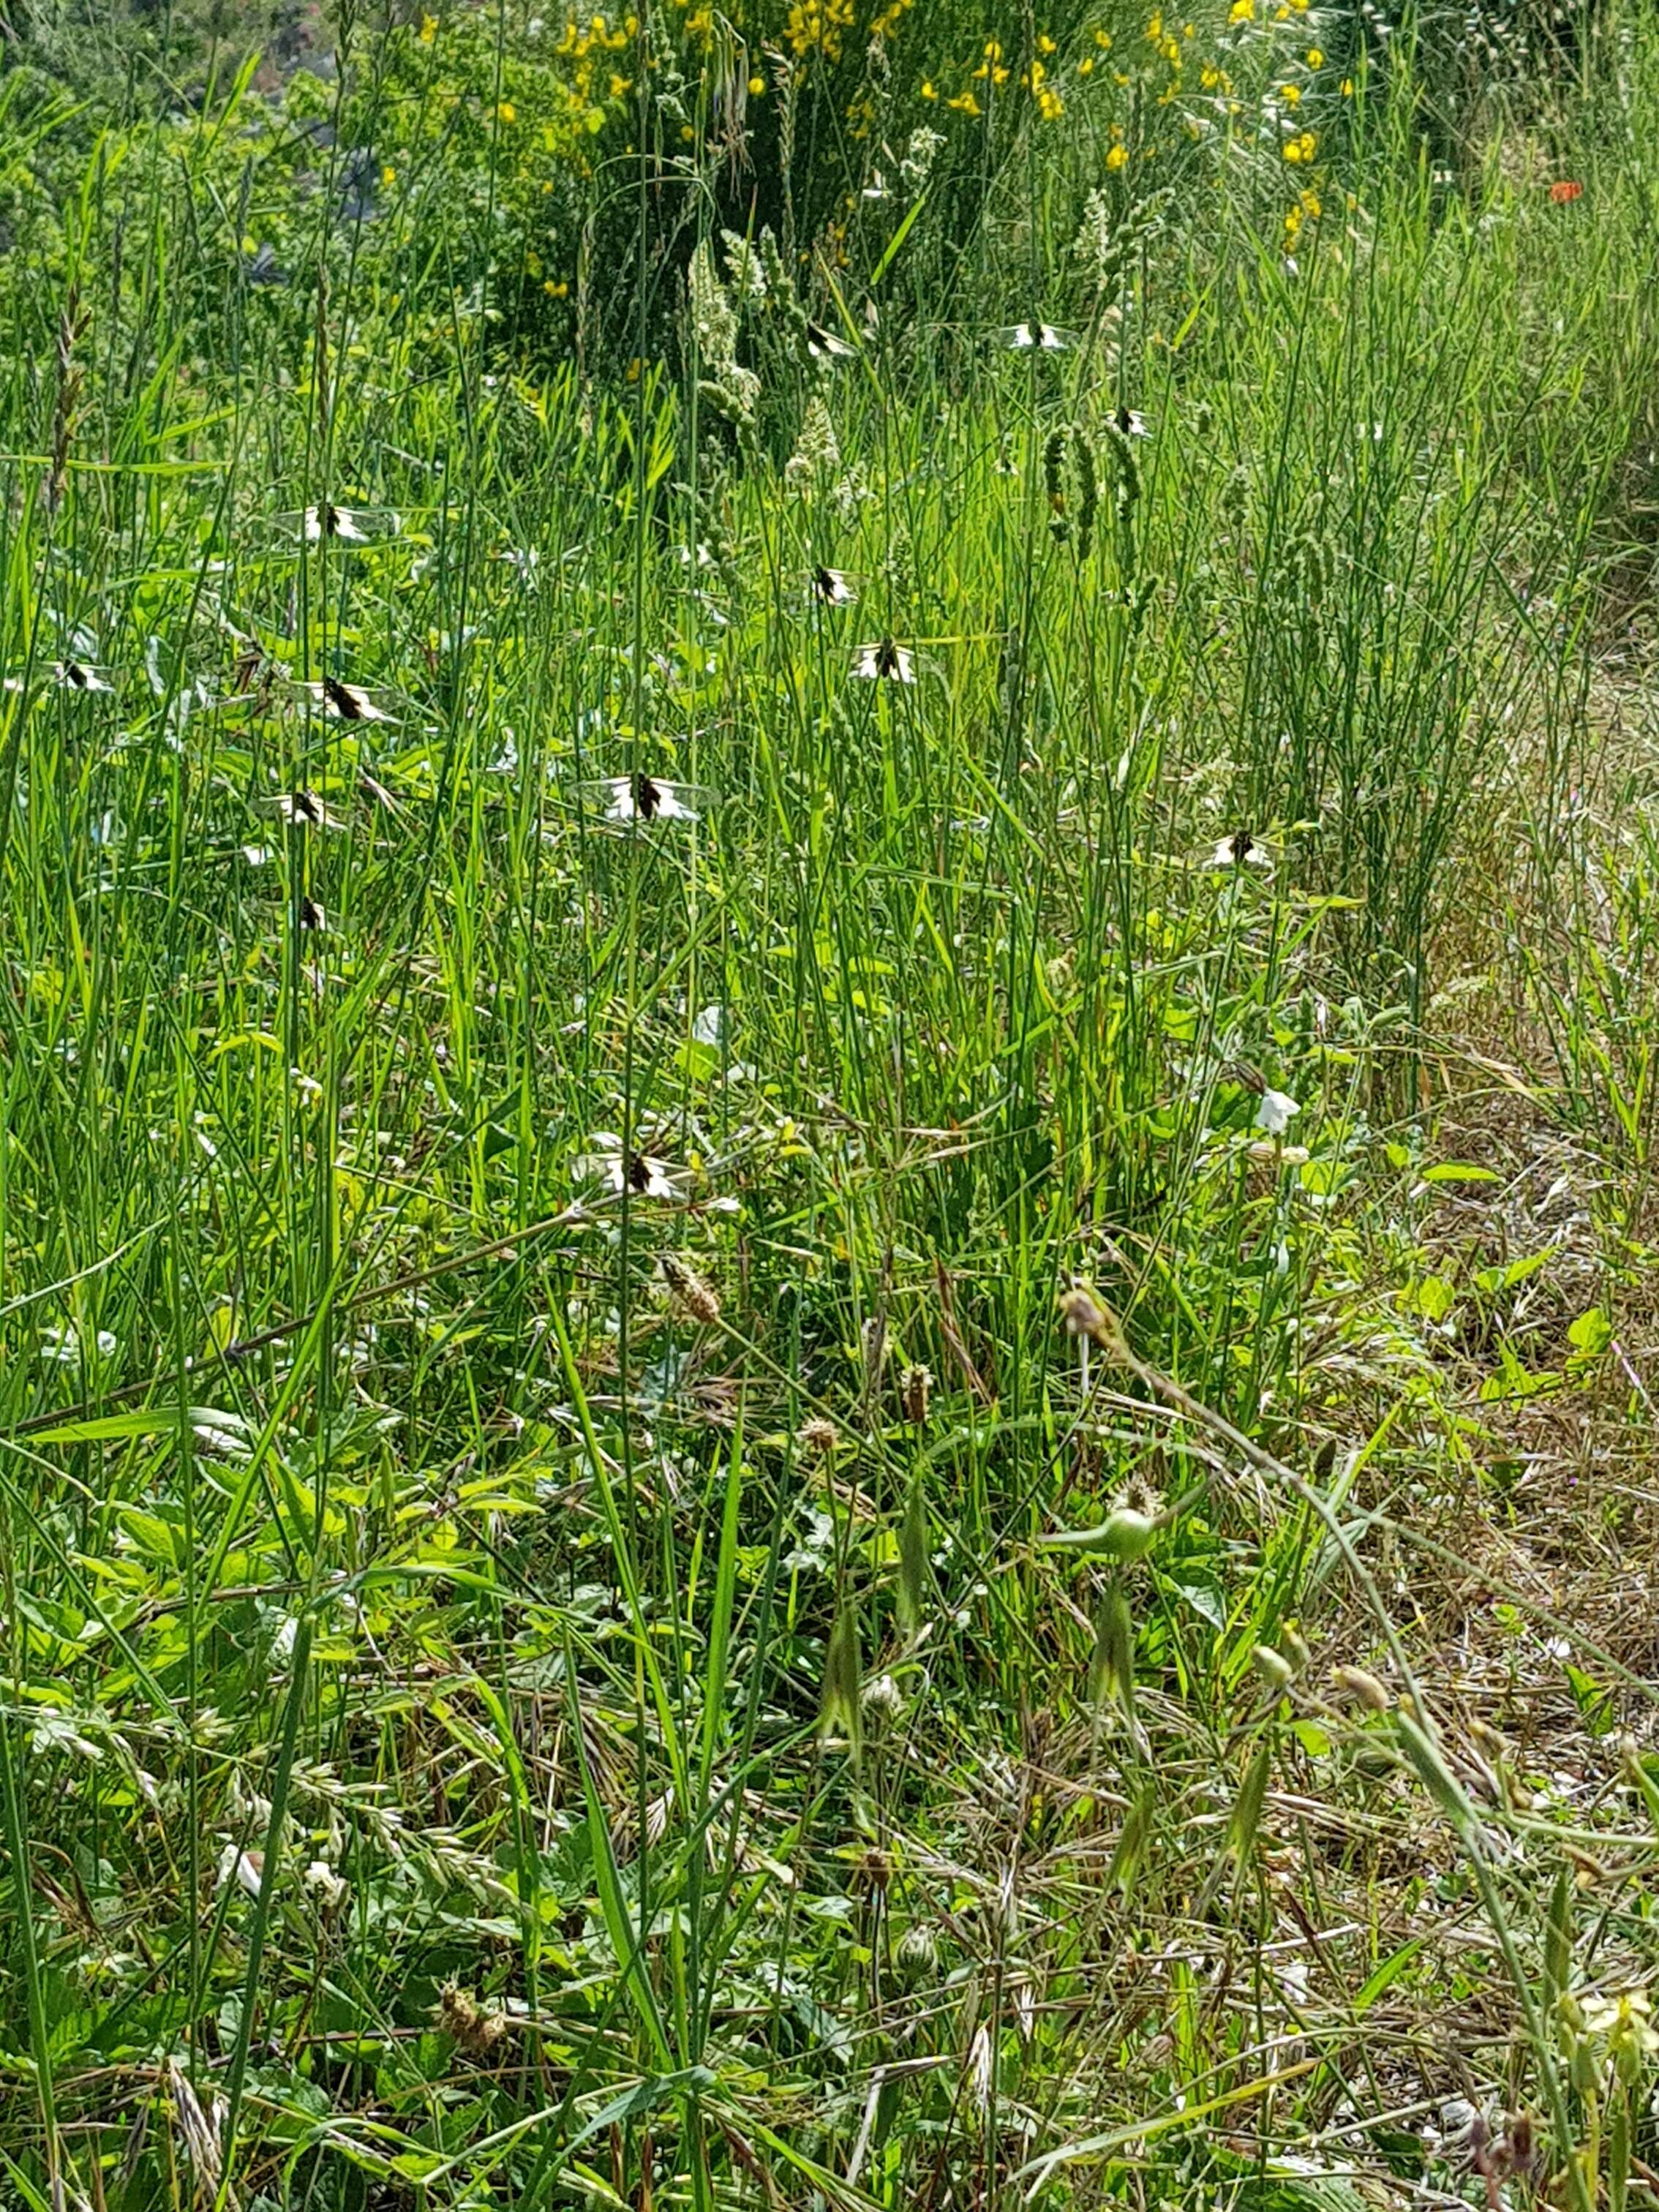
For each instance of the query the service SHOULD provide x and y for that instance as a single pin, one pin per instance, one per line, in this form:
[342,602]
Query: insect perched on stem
[884,662]
[824,345]
[1036,337]
[348,526]
[346,703]
[642,798]
[833,587]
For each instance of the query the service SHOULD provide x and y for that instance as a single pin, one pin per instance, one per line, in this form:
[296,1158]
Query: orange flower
[1565,191]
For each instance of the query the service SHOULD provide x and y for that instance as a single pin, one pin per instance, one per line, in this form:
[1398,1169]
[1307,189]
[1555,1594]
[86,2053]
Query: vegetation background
[830,945]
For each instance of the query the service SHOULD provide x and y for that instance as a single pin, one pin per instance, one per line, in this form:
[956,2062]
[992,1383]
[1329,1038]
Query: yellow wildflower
[506,112]
[965,102]
[928,92]
[1117,157]
[1316,59]
[428,29]
[1242,11]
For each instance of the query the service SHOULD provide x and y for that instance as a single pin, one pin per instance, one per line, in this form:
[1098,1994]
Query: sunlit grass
[720,1295]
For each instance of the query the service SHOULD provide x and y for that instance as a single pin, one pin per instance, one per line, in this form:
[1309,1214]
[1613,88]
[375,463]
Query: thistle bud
[1275,1668]
[1363,1687]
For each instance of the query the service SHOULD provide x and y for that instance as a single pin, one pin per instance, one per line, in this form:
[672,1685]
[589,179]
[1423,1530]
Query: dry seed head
[689,1294]
[1363,1687]
[915,1386]
[477,2028]
[882,1699]
[1136,1495]
[818,1435]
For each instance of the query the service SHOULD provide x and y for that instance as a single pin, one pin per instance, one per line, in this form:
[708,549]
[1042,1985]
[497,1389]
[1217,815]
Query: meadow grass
[781,1436]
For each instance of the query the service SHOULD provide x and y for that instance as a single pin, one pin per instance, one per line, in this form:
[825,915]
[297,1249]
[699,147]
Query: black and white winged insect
[833,587]
[343,701]
[1036,337]
[1130,422]
[346,526]
[627,800]
[305,810]
[1241,848]
[637,1172]
[825,345]
[68,676]
[884,662]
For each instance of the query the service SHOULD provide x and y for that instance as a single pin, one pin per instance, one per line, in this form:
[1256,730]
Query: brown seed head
[690,1294]
[915,1386]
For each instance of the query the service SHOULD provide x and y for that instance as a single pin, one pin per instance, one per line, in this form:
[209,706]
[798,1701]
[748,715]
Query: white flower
[247,1868]
[326,1886]
[65,1344]
[1275,1113]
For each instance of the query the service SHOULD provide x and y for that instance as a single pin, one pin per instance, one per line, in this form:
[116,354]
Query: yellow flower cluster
[1306,210]
[817,26]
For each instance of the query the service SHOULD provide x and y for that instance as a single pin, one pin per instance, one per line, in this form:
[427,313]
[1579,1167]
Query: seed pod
[1112,1665]
[1124,1534]
[915,1567]
[843,1669]
[1247,1808]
